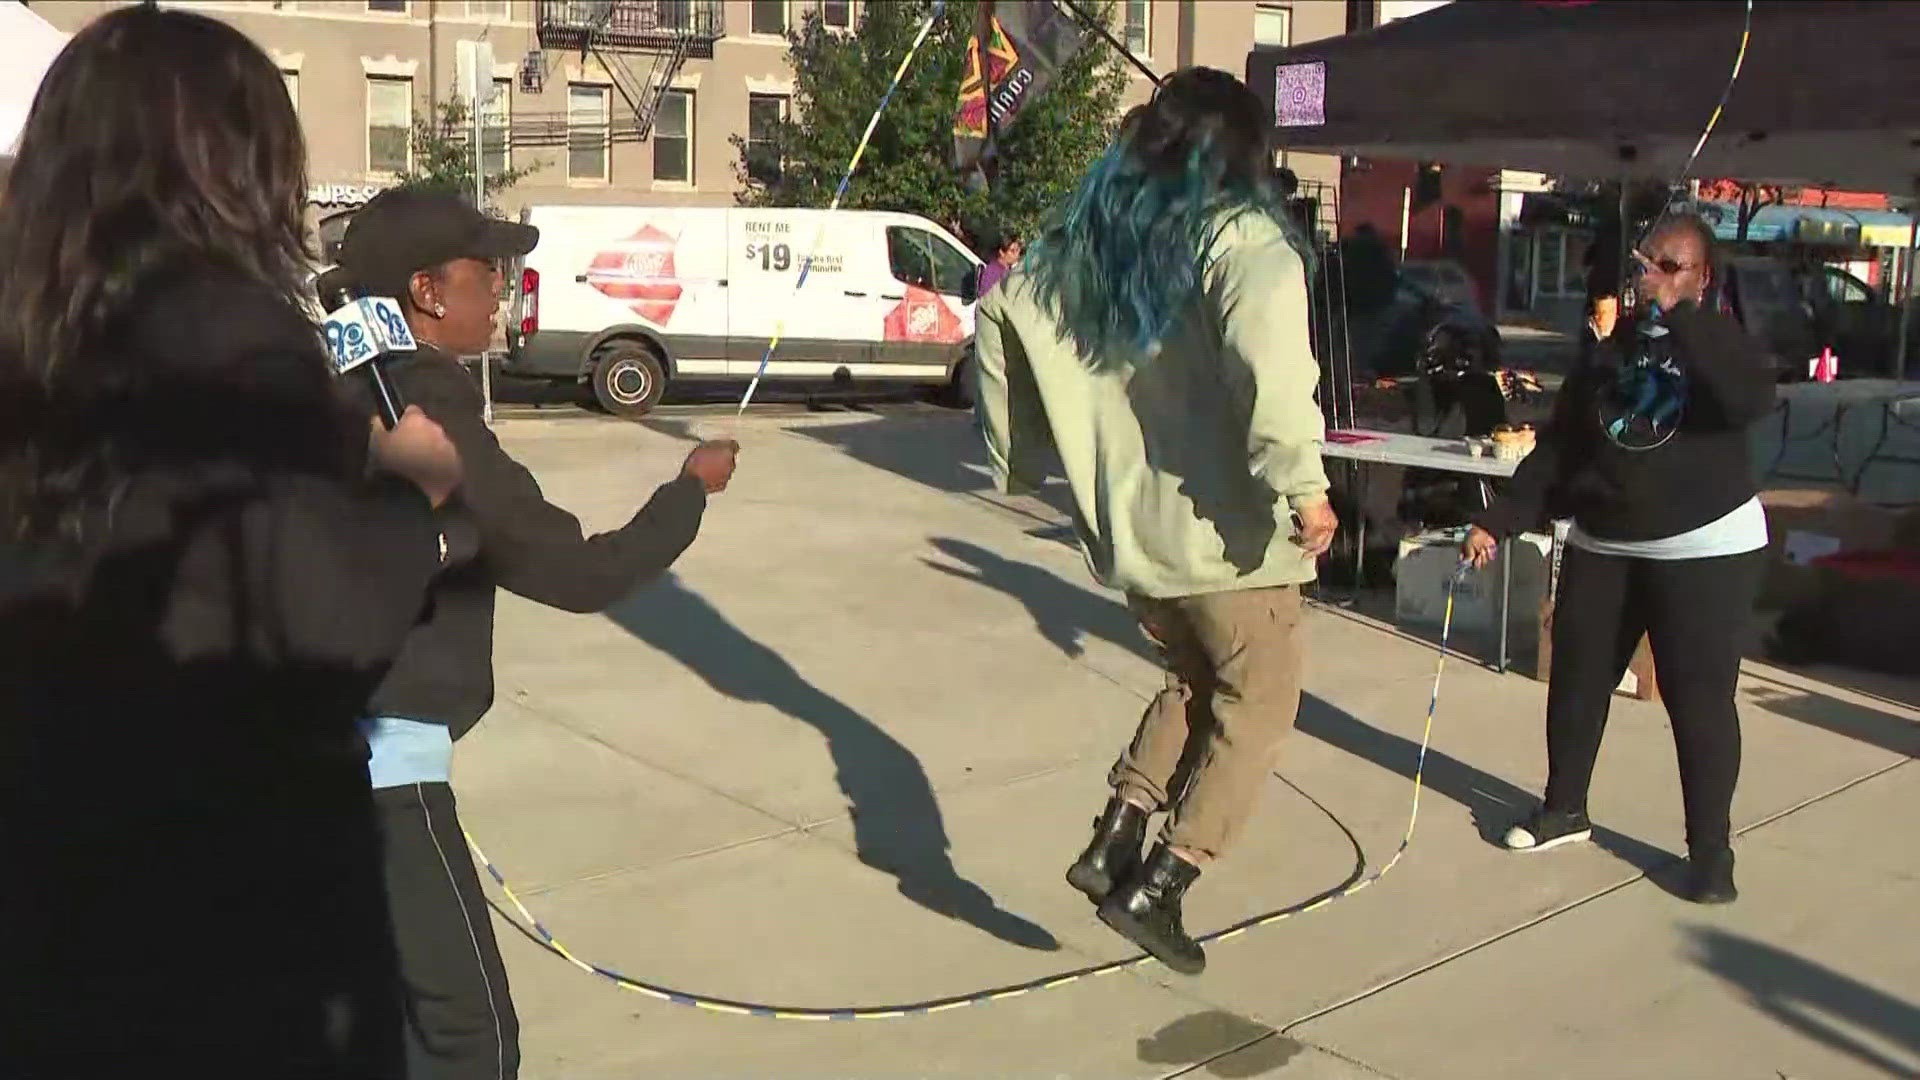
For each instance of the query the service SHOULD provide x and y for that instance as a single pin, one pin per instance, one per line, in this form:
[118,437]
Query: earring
[439,311]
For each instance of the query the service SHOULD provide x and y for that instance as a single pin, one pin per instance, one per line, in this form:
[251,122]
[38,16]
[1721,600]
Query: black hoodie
[527,545]
[1700,475]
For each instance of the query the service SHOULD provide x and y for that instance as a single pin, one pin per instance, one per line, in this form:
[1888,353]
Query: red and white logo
[640,270]
[923,316]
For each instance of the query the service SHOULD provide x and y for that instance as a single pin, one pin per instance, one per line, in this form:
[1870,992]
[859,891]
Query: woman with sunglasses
[1647,452]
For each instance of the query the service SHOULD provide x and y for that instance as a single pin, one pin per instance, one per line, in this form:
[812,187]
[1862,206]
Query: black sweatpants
[1695,613]
[460,1019]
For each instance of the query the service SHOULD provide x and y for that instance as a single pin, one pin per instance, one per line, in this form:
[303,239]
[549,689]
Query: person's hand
[712,464]
[1317,526]
[1479,547]
[419,450]
[1661,287]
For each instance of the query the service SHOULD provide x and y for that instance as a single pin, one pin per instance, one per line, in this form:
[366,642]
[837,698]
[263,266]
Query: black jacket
[1698,476]
[185,820]
[527,545]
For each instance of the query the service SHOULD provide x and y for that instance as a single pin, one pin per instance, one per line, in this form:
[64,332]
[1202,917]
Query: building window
[1137,19]
[673,138]
[837,14]
[389,125]
[589,131]
[489,9]
[496,120]
[770,17]
[764,113]
[1273,25]
[391,7]
[292,81]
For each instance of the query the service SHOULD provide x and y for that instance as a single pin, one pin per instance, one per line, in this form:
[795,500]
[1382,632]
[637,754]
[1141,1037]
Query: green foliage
[840,77]
[443,154]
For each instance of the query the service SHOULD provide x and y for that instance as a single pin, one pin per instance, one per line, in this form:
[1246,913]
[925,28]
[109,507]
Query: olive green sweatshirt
[1184,465]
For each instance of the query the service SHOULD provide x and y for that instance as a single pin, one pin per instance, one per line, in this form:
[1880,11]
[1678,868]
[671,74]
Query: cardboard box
[1427,561]
[1804,524]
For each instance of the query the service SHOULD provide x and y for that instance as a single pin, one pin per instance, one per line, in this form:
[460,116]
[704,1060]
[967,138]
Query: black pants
[1695,613]
[460,1019]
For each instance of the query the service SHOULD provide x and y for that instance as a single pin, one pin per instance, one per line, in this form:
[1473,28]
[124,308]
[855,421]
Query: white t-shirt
[1742,530]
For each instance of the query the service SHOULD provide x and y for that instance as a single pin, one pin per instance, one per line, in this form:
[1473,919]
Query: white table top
[1418,451]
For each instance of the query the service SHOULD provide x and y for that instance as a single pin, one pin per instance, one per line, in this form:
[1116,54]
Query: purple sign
[1300,94]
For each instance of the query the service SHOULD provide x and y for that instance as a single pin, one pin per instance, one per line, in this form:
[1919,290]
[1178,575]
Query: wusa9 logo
[364,329]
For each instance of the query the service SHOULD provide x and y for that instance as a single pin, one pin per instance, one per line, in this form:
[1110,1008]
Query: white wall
[1400,9]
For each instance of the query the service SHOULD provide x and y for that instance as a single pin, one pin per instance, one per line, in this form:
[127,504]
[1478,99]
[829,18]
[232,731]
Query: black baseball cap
[402,231]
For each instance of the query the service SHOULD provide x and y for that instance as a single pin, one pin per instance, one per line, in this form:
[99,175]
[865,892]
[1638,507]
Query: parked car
[1857,321]
[629,299]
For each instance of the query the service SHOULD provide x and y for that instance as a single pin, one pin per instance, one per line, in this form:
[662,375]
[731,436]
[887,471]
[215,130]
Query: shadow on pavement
[1066,614]
[943,452]
[898,827]
[1224,1044]
[1821,1004]
[1895,734]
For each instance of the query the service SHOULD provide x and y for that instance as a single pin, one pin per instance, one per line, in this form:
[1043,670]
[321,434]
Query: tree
[1748,199]
[443,154]
[840,77]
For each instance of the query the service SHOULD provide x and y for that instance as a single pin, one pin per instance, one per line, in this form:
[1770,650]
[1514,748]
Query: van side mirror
[970,286]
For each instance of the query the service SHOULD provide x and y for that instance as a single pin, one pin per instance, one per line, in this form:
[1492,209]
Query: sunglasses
[1665,266]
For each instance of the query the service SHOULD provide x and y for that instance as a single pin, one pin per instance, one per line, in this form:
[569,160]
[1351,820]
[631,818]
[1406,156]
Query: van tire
[958,394]
[628,378]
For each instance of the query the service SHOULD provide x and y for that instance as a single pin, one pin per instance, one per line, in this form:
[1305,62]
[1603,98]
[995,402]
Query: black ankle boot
[1710,876]
[1146,911]
[1114,853]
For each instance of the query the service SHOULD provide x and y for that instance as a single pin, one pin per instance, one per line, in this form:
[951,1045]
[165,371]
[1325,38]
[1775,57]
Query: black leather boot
[1146,911]
[1114,853]
[1710,875]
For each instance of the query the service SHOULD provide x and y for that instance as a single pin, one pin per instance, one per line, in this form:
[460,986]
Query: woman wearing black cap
[441,258]
[199,587]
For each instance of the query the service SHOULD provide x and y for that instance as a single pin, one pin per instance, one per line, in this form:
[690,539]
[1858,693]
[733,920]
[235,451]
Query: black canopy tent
[1828,94]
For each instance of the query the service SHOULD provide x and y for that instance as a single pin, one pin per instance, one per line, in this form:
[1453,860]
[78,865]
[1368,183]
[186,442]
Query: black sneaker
[1710,877]
[1547,829]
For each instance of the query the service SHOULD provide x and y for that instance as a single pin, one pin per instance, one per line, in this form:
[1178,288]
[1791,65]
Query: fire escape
[640,44]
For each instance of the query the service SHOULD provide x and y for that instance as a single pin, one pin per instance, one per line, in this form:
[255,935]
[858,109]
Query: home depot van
[630,299]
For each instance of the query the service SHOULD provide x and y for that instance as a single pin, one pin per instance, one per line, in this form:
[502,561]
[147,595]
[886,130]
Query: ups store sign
[343,194]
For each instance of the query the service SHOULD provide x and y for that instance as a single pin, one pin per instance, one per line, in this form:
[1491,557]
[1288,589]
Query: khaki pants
[1210,738]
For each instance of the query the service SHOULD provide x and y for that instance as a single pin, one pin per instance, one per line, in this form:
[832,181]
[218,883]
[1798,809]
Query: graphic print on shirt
[1643,405]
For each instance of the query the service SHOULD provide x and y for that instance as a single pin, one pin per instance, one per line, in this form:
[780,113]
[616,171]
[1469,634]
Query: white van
[630,298]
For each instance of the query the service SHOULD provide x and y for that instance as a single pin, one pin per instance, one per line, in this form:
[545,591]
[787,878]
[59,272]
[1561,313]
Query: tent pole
[1906,301]
[1626,245]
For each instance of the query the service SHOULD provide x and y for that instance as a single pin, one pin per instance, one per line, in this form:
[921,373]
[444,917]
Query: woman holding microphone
[1647,452]
[207,562]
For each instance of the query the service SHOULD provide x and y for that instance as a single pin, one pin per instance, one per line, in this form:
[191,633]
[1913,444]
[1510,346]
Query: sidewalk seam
[1457,954]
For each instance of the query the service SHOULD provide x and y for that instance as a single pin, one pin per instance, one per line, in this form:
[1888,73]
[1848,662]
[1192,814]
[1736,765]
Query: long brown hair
[158,137]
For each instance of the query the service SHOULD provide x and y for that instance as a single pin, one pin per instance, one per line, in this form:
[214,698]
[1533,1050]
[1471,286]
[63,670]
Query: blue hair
[1124,257]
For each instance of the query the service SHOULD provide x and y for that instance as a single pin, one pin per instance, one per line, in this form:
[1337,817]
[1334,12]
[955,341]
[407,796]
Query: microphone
[364,332]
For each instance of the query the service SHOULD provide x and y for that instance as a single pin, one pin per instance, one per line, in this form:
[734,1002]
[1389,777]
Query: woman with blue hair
[1156,336]
[1647,452]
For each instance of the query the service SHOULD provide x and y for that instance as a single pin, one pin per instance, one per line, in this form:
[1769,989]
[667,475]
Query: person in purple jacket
[1006,255]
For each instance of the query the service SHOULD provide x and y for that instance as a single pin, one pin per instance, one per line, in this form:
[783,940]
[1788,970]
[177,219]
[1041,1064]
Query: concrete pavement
[844,753]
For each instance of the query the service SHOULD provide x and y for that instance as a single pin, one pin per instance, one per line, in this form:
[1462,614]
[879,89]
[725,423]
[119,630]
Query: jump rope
[1357,881]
